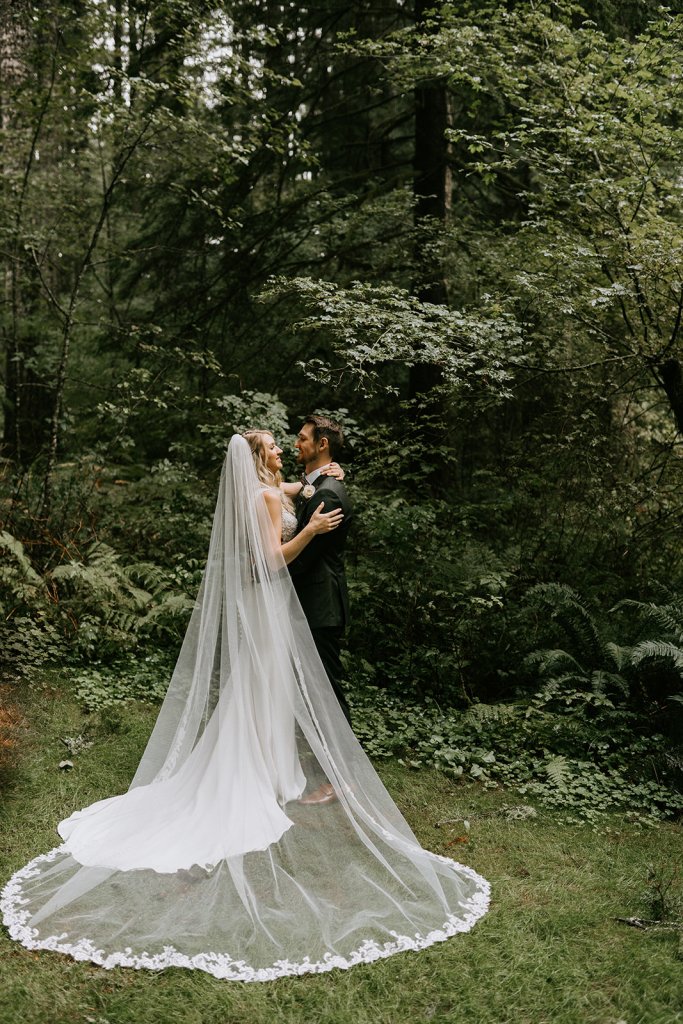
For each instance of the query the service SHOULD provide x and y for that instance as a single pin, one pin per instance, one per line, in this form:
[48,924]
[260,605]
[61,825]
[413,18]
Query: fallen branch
[645,924]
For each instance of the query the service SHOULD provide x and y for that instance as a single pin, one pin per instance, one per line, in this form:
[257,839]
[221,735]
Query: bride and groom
[213,859]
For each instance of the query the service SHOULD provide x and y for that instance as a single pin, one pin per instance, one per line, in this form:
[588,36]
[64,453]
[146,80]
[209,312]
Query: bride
[210,861]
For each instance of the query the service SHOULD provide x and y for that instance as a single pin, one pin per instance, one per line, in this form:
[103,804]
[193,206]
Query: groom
[318,572]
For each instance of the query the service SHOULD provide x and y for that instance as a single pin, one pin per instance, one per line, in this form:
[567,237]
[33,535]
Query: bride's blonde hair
[256,440]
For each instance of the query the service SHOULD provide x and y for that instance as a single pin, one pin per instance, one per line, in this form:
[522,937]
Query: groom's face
[306,447]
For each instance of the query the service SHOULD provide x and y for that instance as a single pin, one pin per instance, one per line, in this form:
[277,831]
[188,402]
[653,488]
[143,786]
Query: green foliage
[644,671]
[593,727]
[28,634]
[233,414]
[369,328]
[103,687]
[18,575]
[83,609]
[552,747]
[425,612]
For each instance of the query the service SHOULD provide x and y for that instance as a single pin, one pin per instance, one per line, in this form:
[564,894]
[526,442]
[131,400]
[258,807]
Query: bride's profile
[210,861]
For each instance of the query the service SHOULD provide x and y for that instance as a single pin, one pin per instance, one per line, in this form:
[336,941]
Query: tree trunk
[671,374]
[25,400]
[432,187]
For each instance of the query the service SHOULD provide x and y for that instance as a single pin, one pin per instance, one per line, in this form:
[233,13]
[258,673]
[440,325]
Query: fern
[558,771]
[602,682]
[660,649]
[490,714]
[548,661]
[106,578]
[153,577]
[21,561]
[171,605]
[668,618]
[620,656]
[570,611]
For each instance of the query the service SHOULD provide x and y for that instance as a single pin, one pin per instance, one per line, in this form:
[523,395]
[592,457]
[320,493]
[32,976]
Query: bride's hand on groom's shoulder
[335,470]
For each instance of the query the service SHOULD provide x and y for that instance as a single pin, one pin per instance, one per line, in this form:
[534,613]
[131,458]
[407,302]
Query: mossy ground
[550,949]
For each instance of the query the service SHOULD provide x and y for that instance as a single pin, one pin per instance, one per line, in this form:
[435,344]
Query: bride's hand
[323,522]
[335,470]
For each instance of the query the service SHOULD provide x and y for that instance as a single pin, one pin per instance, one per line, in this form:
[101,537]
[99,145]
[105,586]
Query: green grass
[550,950]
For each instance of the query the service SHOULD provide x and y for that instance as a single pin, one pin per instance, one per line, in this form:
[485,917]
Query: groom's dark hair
[323,426]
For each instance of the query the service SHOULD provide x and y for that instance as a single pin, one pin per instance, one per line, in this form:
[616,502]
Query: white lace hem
[222,965]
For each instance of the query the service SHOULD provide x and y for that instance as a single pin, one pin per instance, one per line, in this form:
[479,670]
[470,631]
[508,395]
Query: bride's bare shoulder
[272,497]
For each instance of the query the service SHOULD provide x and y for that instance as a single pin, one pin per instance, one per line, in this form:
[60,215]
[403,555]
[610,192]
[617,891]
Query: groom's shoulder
[330,483]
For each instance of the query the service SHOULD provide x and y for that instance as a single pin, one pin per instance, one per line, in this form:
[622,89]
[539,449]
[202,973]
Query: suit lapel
[302,503]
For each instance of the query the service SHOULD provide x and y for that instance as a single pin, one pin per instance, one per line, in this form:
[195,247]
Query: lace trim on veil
[222,965]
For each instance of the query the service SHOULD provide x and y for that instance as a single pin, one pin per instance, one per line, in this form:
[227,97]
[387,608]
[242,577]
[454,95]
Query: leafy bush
[100,687]
[594,725]
[644,674]
[428,594]
[28,633]
[542,749]
[92,607]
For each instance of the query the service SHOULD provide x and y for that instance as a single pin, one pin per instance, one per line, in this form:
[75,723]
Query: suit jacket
[318,572]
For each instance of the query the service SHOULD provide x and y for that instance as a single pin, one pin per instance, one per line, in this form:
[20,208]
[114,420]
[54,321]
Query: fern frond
[571,612]
[153,577]
[123,619]
[558,771]
[576,679]
[618,655]
[16,549]
[658,649]
[602,681]
[668,618]
[550,661]
[100,554]
[172,605]
[140,598]
[101,582]
[484,714]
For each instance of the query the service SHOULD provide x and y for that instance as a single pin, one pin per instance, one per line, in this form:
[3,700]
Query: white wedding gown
[208,861]
[171,823]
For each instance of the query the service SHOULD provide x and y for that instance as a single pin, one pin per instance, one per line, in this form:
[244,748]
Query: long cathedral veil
[209,861]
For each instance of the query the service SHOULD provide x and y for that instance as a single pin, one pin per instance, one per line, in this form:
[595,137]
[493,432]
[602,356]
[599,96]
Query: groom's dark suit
[320,581]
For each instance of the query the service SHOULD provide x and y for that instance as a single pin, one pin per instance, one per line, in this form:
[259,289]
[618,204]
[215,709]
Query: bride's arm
[291,489]
[320,522]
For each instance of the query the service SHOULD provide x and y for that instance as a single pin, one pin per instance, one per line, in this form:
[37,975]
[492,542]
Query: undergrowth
[552,747]
[144,678]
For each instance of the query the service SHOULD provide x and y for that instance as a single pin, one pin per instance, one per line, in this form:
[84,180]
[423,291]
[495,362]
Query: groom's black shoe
[324,794]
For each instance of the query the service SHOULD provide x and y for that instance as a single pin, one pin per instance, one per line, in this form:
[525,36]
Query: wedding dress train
[208,861]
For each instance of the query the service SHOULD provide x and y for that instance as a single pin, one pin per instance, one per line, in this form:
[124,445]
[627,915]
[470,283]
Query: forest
[455,227]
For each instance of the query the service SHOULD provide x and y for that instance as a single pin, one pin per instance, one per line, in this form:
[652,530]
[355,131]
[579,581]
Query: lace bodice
[288,524]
